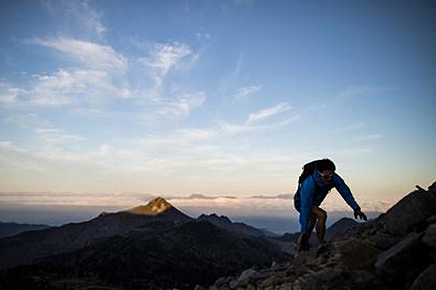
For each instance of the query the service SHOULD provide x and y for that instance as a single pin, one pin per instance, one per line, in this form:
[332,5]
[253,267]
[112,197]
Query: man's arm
[345,192]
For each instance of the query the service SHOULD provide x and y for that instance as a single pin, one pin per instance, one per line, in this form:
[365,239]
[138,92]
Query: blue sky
[112,102]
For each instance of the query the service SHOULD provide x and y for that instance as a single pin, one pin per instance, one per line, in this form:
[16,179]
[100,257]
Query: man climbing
[317,179]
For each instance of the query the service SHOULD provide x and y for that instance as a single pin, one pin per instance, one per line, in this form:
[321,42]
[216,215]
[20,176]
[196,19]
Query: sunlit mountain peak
[154,207]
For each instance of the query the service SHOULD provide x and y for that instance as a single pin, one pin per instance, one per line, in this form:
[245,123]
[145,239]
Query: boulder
[354,254]
[336,279]
[286,286]
[270,282]
[383,240]
[401,262]
[426,280]
[432,188]
[429,237]
[245,277]
[410,212]
[223,280]
[431,220]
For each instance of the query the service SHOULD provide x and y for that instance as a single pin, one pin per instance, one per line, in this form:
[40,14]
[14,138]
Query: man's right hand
[303,243]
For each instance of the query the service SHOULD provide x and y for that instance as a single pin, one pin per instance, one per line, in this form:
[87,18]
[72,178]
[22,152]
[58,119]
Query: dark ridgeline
[225,223]
[148,247]
[12,229]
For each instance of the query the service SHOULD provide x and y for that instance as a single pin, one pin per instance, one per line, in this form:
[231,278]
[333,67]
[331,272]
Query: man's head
[326,169]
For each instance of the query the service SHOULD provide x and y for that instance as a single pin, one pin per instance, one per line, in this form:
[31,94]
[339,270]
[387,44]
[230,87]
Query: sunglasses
[326,176]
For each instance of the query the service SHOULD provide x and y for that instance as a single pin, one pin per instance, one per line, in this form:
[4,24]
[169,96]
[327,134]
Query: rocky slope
[395,251]
[180,257]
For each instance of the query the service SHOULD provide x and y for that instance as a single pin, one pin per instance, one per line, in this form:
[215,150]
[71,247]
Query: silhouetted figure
[317,179]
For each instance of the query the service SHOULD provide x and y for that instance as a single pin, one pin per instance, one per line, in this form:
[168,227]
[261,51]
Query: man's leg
[311,226]
[321,218]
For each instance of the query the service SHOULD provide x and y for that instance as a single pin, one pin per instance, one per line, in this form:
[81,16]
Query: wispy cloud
[352,127]
[165,57]
[369,137]
[116,199]
[202,196]
[29,120]
[96,75]
[182,106]
[280,196]
[66,87]
[268,112]
[55,136]
[9,95]
[245,92]
[93,55]
[8,146]
[78,12]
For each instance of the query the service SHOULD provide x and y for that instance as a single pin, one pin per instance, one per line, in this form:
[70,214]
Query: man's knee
[321,214]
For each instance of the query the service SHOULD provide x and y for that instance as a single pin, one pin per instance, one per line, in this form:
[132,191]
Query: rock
[405,257]
[383,241]
[223,280]
[270,282]
[233,284]
[426,280]
[286,286]
[274,264]
[354,254]
[199,287]
[327,275]
[432,220]
[337,279]
[266,273]
[410,211]
[432,188]
[429,237]
[409,242]
[223,287]
[246,276]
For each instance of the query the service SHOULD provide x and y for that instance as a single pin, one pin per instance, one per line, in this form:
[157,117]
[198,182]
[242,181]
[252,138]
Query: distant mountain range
[153,246]
[11,229]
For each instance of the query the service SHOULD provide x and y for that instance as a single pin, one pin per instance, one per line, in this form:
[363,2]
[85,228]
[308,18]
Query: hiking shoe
[322,248]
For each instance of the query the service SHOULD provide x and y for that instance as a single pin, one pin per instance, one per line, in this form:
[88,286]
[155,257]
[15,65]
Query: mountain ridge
[24,247]
[8,229]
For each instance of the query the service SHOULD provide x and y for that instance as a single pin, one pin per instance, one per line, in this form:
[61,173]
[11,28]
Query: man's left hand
[359,214]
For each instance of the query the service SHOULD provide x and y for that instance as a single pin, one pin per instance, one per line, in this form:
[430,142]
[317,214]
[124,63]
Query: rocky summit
[397,251]
[154,207]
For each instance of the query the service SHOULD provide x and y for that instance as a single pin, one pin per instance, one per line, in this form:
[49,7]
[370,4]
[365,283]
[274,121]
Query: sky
[214,105]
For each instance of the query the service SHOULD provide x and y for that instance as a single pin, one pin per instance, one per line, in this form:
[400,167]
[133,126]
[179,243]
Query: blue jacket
[313,191]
